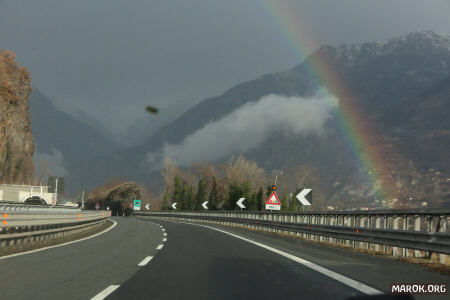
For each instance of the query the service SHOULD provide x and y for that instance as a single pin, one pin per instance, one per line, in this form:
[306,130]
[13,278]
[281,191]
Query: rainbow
[354,127]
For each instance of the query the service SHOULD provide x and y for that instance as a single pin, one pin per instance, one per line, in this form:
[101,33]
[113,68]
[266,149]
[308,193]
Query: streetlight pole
[277,173]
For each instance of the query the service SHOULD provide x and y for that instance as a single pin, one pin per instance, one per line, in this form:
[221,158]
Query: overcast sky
[111,58]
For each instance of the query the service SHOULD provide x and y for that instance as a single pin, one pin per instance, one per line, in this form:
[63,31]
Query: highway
[153,259]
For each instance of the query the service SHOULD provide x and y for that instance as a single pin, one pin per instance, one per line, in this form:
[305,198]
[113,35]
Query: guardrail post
[405,227]
[321,222]
[395,227]
[443,228]
[362,221]
[417,221]
[385,227]
[377,226]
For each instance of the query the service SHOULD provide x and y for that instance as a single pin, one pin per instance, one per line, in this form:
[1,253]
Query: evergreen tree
[177,191]
[284,202]
[213,199]
[294,205]
[268,191]
[252,201]
[235,192]
[190,198]
[259,200]
[201,194]
[182,204]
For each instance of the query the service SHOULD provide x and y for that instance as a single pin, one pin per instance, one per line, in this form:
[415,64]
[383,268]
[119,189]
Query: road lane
[81,270]
[200,263]
[376,271]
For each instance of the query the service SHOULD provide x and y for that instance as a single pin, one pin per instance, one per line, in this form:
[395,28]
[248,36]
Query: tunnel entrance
[35,200]
[116,208]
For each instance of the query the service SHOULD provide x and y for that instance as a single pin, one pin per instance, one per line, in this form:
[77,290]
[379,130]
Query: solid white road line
[103,294]
[145,261]
[164,239]
[336,276]
[60,245]
[159,247]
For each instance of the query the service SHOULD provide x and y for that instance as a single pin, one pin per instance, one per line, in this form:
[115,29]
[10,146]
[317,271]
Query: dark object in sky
[152,110]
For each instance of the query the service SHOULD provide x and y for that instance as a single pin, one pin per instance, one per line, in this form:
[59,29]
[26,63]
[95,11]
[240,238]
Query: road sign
[137,205]
[305,197]
[174,205]
[273,203]
[204,205]
[147,207]
[239,203]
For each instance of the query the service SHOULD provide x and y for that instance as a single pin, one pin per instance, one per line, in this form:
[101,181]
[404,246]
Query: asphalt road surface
[153,259]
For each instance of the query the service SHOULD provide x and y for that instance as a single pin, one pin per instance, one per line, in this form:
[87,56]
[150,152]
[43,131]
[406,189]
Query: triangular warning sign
[273,203]
[273,199]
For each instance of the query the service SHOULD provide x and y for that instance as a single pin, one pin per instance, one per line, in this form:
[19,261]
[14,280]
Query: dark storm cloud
[112,58]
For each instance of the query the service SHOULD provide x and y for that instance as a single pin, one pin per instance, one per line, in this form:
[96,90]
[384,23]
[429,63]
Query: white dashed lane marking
[145,261]
[103,294]
[159,247]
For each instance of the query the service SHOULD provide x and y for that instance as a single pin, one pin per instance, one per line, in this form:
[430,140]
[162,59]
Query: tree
[259,199]
[201,193]
[284,202]
[235,192]
[294,205]
[269,191]
[177,190]
[252,201]
[213,196]
[189,197]
[182,200]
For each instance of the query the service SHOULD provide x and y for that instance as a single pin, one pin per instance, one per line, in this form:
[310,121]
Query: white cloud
[250,125]
[49,163]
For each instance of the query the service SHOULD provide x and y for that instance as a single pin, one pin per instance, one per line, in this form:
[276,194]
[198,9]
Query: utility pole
[56,190]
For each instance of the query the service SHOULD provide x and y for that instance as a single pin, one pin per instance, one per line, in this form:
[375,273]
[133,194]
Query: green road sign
[137,205]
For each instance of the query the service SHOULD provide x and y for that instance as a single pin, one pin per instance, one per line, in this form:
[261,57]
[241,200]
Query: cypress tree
[177,190]
[201,194]
[213,196]
[259,199]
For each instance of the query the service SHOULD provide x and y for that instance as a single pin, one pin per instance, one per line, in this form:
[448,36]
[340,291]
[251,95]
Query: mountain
[398,85]
[16,139]
[63,142]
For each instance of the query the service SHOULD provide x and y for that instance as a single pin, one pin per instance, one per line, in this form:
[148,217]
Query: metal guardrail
[413,230]
[19,219]
[24,207]
[22,228]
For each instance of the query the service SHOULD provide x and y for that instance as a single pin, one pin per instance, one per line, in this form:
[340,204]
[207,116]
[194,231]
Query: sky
[109,59]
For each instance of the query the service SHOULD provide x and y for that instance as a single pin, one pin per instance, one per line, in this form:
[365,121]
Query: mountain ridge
[383,84]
